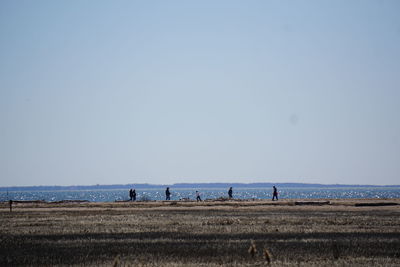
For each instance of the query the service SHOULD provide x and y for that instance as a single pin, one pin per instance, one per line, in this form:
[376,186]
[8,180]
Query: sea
[153,194]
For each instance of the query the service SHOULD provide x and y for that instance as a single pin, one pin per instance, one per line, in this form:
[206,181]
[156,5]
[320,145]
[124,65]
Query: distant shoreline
[186,186]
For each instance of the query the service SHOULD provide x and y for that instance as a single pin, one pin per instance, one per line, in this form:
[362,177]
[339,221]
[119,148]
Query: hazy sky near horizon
[116,92]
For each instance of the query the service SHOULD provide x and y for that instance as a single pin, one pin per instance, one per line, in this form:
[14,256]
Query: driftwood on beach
[375,204]
[318,203]
[29,201]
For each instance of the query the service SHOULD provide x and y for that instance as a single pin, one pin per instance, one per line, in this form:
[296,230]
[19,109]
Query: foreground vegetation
[238,233]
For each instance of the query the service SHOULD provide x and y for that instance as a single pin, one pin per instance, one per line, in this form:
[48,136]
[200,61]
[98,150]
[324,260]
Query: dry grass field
[215,233]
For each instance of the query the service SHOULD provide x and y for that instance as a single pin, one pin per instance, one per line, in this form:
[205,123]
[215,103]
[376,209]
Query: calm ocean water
[242,193]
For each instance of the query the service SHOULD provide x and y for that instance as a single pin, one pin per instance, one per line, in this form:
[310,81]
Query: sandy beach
[356,232]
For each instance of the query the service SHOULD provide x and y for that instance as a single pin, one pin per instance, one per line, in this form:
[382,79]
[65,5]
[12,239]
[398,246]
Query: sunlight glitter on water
[177,194]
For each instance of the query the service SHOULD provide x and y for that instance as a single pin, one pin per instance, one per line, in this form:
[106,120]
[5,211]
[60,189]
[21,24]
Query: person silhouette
[130,194]
[134,195]
[230,192]
[167,194]
[274,193]
[198,198]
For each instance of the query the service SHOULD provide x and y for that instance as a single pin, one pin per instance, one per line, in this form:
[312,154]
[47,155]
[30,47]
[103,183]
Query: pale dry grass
[200,234]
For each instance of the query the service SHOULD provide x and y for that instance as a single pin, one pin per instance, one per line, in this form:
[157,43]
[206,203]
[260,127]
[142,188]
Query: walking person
[198,198]
[230,192]
[130,194]
[274,193]
[167,194]
[133,195]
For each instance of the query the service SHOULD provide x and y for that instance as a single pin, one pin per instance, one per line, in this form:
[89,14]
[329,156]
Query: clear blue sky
[111,92]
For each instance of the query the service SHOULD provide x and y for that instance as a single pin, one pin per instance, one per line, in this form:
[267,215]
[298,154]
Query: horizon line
[202,183]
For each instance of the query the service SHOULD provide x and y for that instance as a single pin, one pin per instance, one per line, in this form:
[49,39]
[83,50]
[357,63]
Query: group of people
[274,193]
[168,195]
[132,194]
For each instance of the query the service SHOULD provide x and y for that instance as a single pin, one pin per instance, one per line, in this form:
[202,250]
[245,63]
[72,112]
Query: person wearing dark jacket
[167,194]
[274,193]
[134,195]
